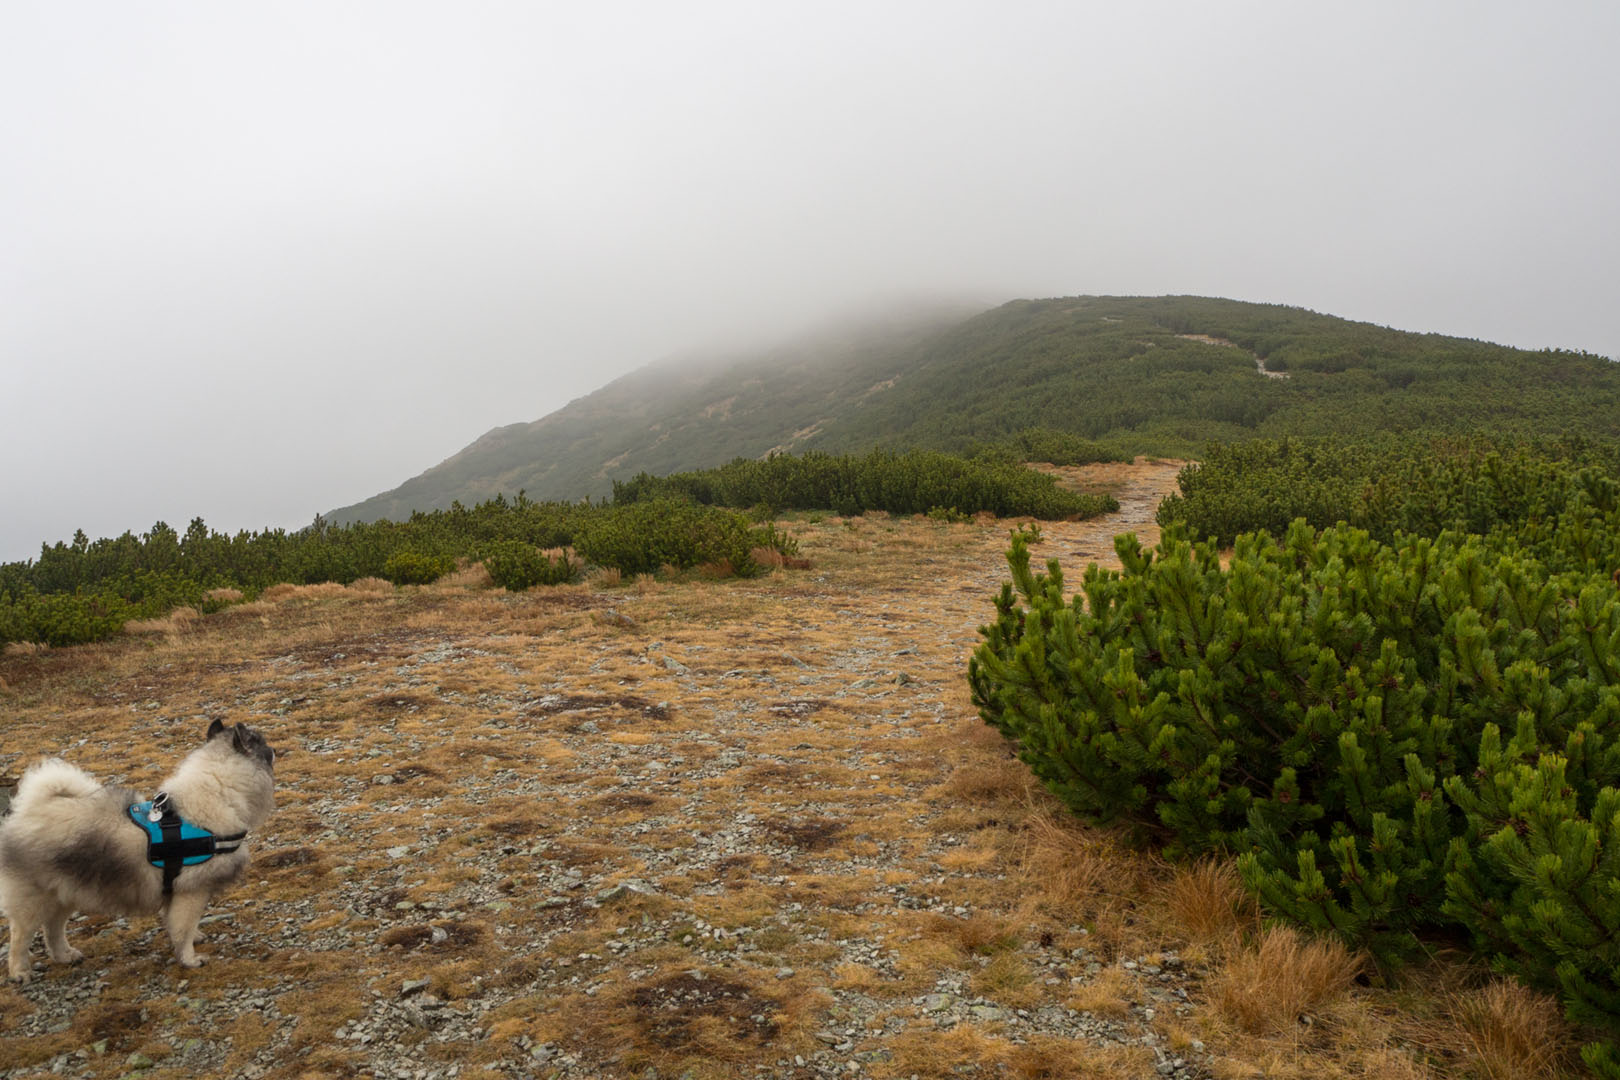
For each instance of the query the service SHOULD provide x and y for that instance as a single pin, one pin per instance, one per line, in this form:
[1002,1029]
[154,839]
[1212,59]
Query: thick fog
[257,261]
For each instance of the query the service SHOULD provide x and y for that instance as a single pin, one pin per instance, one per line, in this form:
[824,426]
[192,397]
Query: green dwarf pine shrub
[416,568]
[515,566]
[1535,876]
[1313,706]
[913,482]
[643,537]
[1558,500]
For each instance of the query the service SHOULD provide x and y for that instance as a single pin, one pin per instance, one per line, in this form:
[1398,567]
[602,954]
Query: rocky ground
[660,829]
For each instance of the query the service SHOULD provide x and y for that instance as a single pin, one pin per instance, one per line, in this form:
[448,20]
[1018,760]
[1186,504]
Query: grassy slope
[1120,368]
[1132,369]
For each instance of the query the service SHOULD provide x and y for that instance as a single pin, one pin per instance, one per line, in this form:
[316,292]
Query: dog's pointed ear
[215,728]
[240,738]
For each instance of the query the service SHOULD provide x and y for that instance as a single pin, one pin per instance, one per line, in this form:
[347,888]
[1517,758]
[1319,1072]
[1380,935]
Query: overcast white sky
[258,261]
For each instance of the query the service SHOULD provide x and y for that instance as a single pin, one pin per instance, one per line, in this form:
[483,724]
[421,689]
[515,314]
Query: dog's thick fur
[68,845]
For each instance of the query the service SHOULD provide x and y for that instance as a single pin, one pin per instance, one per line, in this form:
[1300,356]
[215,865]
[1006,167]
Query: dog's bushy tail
[52,778]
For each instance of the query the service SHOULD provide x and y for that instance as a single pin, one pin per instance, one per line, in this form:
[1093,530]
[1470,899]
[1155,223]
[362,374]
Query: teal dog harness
[173,843]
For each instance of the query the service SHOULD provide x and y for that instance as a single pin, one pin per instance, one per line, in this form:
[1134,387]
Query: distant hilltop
[1161,375]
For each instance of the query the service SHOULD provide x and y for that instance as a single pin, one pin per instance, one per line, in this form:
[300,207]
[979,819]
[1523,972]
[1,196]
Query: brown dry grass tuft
[811,834]
[1007,980]
[769,558]
[277,594]
[1050,1058]
[856,977]
[1267,986]
[472,576]
[691,1013]
[1206,902]
[223,596]
[975,935]
[1109,994]
[1508,1031]
[444,935]
[177,621]
[372,586]
[568,553]
[993,781]
[969,1050]
[700,1022]
[26,648]
[1072,869]
[119,1025]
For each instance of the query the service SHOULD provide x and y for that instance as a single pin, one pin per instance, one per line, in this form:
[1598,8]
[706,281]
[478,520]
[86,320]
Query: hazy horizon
[259,263]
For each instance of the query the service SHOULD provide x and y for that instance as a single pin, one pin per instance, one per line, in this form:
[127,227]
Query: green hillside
[1148,374]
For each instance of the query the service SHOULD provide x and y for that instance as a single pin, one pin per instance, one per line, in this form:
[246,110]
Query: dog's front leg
[185,910]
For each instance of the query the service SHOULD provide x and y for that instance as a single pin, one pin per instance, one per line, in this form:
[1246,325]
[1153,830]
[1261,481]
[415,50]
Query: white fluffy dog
[70,844]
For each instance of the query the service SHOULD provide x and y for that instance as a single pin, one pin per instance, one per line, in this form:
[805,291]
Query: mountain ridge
[1150,374]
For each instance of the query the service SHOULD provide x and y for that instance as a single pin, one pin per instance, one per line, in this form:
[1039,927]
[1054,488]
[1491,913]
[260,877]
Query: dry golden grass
[998,780]
[1506,1031]
[177,621]
[700,1022]
[467,576]
[769,558]
[973,935]
[224,596]
[856,977]
[279,594]
[1110,994]
[374,586]
[940,1054]
[1009,980]
[1206,903]
[1269,984]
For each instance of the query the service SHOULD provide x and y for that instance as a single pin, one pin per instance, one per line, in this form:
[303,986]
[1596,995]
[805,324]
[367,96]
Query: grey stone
[633,887]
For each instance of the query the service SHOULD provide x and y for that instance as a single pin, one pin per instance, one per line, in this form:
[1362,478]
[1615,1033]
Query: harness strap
[175,843]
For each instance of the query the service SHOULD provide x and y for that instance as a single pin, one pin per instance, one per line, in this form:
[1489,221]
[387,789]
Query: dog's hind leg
[184,911]
[55,919]
[24,915]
